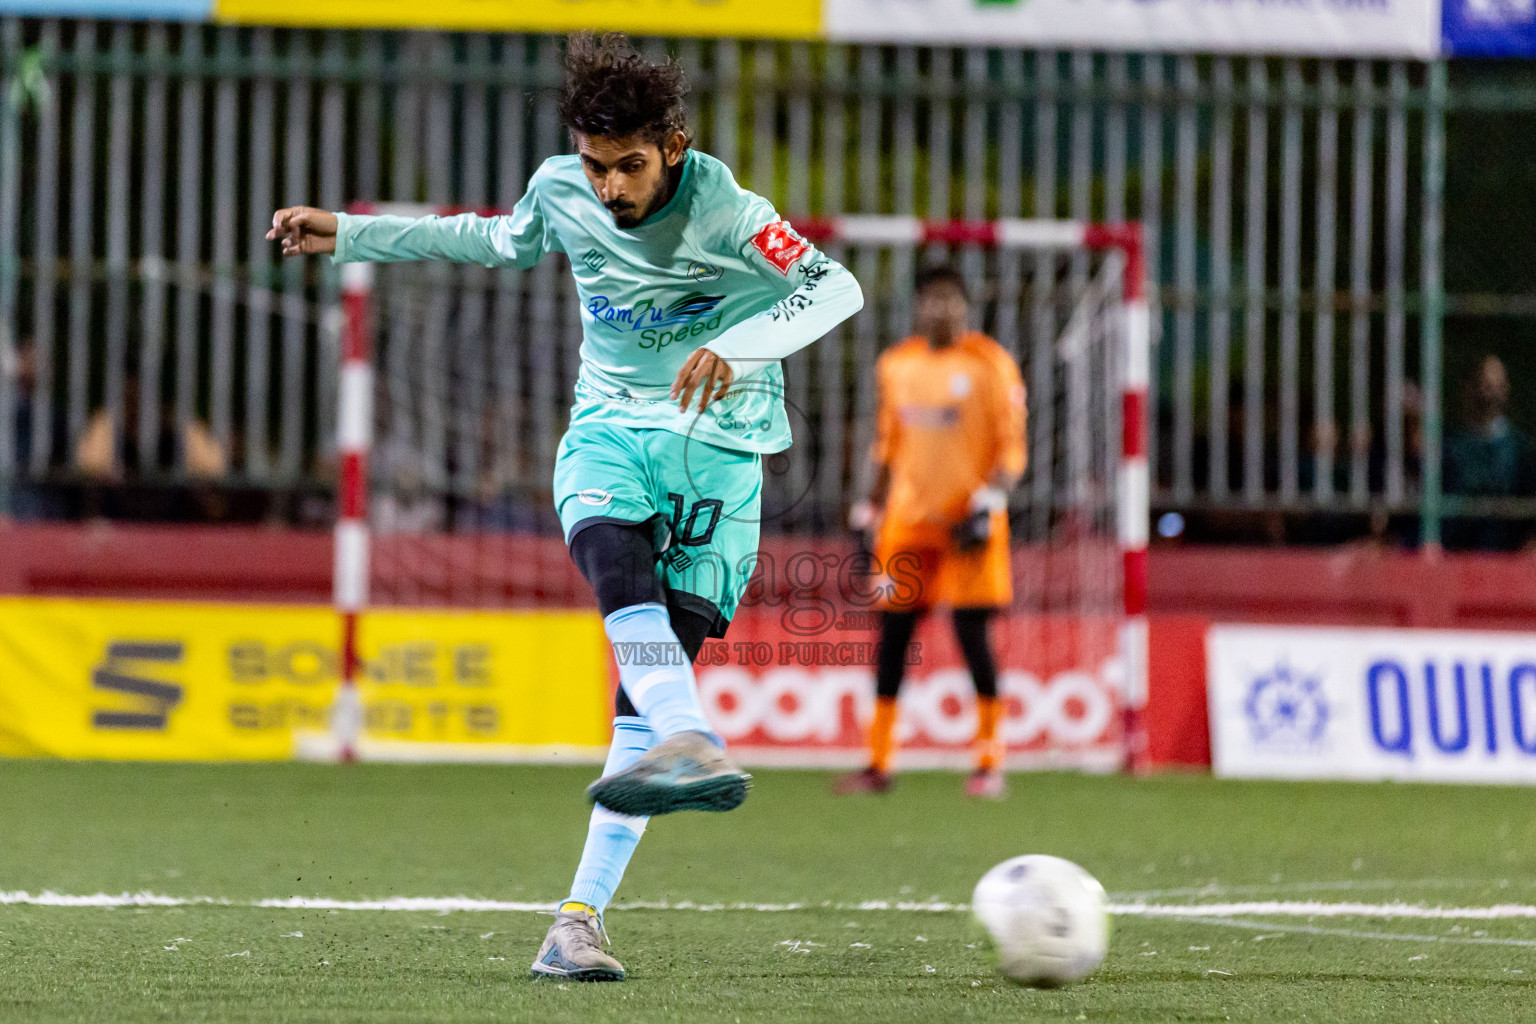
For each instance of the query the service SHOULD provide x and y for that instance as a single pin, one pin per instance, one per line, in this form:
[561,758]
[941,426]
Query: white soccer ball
[1047,917]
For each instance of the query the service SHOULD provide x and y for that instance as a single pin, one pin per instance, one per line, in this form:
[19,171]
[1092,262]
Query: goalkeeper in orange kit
[950,446]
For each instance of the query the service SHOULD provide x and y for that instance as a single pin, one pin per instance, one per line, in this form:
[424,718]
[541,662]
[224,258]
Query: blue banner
[1301,702]
[1488,28]
[164,10]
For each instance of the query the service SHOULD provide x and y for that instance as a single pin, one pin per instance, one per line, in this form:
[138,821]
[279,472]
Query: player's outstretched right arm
[519,239]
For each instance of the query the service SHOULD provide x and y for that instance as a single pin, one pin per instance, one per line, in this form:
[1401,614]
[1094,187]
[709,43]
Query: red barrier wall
[1344,586]
[1356,586]
[1178,726]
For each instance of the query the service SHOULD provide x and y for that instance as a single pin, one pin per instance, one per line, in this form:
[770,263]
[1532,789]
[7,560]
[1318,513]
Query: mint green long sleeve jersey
[715,268]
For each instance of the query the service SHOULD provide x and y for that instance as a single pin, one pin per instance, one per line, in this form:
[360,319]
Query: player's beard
[628,215]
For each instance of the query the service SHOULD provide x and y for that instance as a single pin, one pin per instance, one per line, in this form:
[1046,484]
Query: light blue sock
[655,671]
[611,837]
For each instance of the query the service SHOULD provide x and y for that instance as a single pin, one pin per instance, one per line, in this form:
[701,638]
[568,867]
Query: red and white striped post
[1135,484]
[354,436]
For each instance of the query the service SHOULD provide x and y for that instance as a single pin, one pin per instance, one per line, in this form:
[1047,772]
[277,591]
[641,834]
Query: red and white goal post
[1069,297]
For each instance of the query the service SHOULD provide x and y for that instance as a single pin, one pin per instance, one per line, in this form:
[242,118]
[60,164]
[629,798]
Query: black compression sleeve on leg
[692,630]
[896,629]
[619,561]
[622,706]
[971,631]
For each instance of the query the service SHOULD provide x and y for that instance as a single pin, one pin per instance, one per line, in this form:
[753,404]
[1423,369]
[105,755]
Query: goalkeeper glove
[973,532]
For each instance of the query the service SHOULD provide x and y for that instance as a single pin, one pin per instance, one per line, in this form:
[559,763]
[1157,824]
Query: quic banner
[1339,703]
[782,691]
[158,681]
[1345,27]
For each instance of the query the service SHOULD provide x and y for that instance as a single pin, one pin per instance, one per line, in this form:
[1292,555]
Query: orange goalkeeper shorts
[916,576]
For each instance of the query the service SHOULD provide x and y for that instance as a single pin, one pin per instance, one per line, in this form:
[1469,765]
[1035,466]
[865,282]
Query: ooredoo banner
[790,690]
[1344,703]
[1409,28]
[158,681]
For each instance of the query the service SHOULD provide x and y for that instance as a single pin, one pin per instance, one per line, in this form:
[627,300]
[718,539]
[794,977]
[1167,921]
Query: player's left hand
[705,373]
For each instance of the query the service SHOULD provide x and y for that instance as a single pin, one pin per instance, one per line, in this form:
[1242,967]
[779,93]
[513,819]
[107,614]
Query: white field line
[1346,933]
[1317,908]
[466,904]
[1274,889]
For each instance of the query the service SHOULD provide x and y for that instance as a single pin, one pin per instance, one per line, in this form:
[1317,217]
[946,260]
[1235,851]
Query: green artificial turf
[250,832]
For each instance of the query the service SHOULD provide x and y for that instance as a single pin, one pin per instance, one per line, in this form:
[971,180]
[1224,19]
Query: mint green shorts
[704,503]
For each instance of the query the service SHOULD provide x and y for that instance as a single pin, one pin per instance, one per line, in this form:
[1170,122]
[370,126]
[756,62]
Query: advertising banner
[158,681]
[792,19]
[162,10]
[1344,27]
[1489,28]
[784,689]
[1425,705]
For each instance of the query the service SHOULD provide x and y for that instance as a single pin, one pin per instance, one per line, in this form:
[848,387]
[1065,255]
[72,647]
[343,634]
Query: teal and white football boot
[687,772]
[573,949]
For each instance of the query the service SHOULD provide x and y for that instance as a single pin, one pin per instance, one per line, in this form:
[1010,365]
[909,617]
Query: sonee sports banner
[1303,703]
[151,681]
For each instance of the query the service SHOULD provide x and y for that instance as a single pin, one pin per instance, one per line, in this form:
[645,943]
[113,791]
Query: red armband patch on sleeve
[780,245]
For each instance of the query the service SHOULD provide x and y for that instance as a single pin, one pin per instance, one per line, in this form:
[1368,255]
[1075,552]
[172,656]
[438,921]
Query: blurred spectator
[1489,457]
[502,502]
[404,500]
[110,451]
[123,475]
[30,498]
[1398,529]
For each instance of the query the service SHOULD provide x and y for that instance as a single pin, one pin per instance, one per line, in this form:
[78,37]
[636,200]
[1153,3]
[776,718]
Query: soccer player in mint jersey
[692,290]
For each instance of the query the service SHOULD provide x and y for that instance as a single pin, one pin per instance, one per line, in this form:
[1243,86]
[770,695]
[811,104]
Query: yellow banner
[787,19]
[157,681]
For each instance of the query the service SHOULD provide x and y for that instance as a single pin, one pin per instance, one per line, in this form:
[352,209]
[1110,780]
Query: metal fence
[1292,209]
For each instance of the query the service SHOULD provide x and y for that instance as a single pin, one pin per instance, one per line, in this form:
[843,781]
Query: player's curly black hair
[613,92]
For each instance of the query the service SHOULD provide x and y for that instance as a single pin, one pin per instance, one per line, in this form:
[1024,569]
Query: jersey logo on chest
[690,317]
[594,260]
[933,417]
[646,313]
